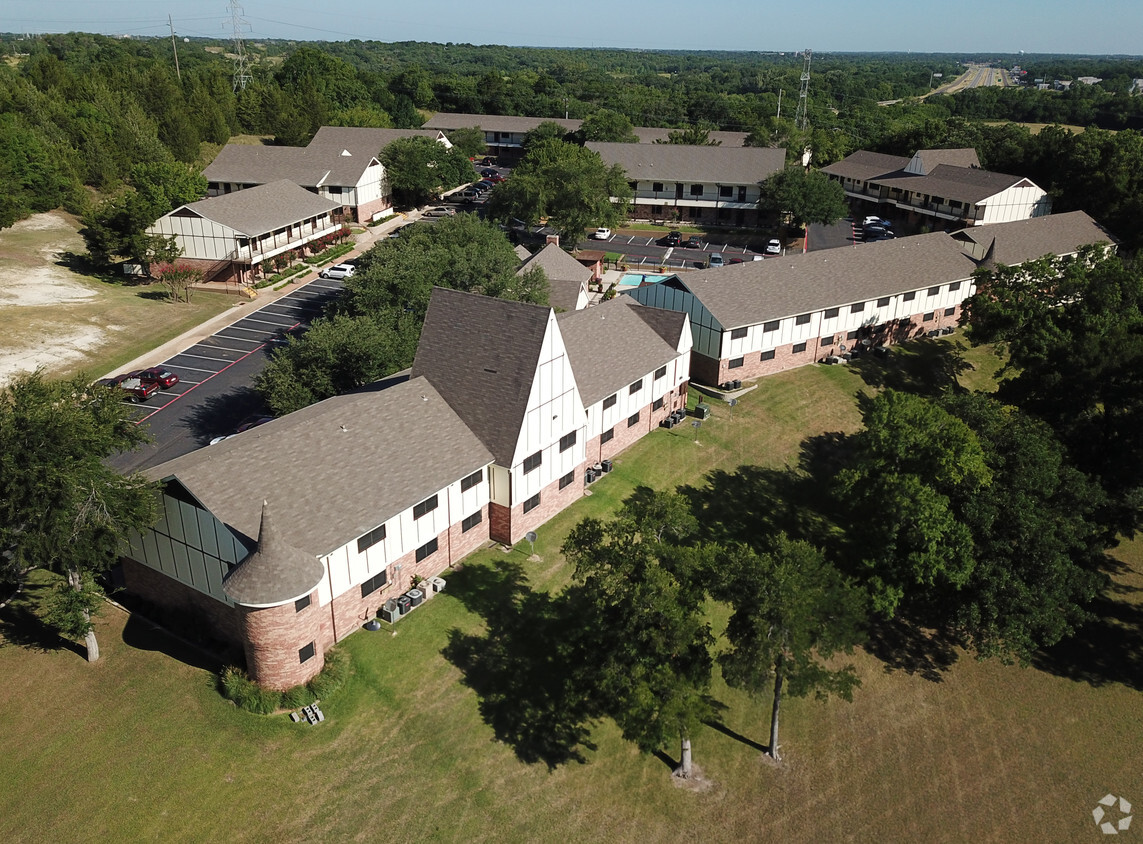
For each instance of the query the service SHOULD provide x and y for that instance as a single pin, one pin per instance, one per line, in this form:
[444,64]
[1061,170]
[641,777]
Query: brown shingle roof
[611,345]
[264,208]
[276,572]
[759,291]
[930,158]
[864,165]
[965,184]
[557,264]
[348,463]
[674,162]
[1026,240]
[481,355]
[258,165]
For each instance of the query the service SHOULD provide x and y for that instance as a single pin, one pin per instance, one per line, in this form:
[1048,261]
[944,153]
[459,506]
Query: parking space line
[238,339]
[189,368]
[266,321]
[205,357]
[240,328]
[221,348]
[196,386]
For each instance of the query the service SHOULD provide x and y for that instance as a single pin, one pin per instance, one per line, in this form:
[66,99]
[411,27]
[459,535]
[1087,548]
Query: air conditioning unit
[390,612]
[416,597]
[437,584]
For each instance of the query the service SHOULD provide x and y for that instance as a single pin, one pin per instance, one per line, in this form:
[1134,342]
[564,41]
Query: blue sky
[1000,26]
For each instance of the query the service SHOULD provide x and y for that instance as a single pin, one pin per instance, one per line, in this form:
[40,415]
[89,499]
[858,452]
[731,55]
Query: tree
[461,252]
[907,471]
[61,508]
[469,140]
[337,354]
[1038,546]
[1073,331]
[548,130]
[420,168]
[695,136]
[805,197]
[792,611]
[608,125]
[178,278]
[651,640]
[568,185]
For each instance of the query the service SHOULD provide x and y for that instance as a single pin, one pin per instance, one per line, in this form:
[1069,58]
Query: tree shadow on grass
[903,645]
[221,414]
[926,367]
[753,503]
[1108,649]
[527,668]
[738,737]
[21,625]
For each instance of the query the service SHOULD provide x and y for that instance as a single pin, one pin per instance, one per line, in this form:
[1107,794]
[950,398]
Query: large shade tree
[803,197]
[907,472]
[792,611]
[566,184]
[1073,331]
[651,639]
[62,509]
[420,168]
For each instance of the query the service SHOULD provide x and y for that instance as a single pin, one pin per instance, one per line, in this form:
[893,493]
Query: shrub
[333,676]
[297,697]
[246,694]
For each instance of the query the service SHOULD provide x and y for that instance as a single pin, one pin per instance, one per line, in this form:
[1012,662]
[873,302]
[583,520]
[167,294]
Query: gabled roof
[494,122]
[557,264]
[965,184]
[925,160]
[675,162]
[612,345]
[276,572]
[1026,240]
[260,165]
[760,291]
[864,165]
[261,209]
[347,150]
[382,450]
[481,355]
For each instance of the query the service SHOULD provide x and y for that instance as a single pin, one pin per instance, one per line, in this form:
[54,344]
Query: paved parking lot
[215,373]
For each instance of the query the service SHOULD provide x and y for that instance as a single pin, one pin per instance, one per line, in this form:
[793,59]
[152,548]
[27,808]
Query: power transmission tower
[238,24]
[800,116]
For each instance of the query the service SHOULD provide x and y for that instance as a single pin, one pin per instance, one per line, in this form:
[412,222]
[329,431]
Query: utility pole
[174,47]
[800,116]
[238,24]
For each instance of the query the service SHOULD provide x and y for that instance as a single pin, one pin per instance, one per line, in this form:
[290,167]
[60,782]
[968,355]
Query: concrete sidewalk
[244,307]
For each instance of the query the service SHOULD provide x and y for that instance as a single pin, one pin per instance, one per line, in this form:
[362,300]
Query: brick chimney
[553,238]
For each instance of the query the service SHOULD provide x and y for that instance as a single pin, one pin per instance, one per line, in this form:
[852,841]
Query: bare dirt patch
[53,317]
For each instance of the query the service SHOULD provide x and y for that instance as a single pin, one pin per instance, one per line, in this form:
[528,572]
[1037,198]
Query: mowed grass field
[141,746]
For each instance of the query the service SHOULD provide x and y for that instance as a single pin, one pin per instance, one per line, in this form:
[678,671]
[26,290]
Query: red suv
[157,375]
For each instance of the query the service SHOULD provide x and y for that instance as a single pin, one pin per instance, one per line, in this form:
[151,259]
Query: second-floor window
[697,190]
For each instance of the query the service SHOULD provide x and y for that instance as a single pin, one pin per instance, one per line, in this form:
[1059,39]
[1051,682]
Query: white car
[337,271]
[601,234]
[774,247]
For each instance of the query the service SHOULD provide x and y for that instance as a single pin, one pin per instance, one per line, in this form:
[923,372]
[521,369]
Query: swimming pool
[635,279]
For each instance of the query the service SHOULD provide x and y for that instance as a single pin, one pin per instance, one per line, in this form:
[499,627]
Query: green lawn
[141,747]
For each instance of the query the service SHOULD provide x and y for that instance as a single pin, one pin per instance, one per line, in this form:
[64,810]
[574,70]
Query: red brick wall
[166,592]
[499,523]
[366,210]
[552,501]
[273,638]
